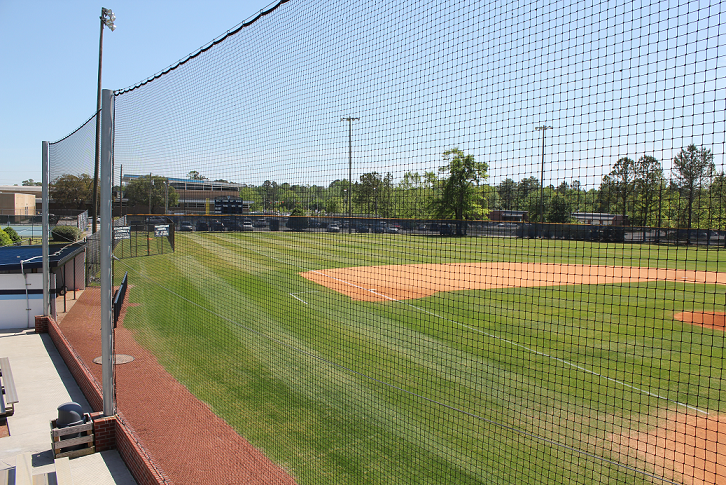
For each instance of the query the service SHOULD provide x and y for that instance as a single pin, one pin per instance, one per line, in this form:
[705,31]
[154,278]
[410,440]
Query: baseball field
[392,358]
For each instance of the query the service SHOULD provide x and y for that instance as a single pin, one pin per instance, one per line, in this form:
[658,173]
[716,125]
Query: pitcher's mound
[705,319]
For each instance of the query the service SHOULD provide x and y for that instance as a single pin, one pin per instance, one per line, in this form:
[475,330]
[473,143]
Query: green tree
[140,189]
[558,209]
[333,205]
[648,180]
[693,168]
[717,196]
[374,194]
[413,195]
[605,196]
[507,191]
[5,239]
[623,182]
[528,194]
[30,183]
[14,236]
[72,191]
[194,175]
[251,194]
[459,197]
[270,194]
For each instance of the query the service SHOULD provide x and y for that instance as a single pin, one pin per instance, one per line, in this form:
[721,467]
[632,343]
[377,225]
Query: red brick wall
[109,431]
[41,324]
[104,431]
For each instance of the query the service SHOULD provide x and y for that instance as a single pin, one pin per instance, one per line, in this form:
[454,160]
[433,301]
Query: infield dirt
[402,282]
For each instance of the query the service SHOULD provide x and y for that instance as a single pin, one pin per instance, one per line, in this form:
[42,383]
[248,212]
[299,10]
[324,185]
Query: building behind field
[195,196]
[601,219]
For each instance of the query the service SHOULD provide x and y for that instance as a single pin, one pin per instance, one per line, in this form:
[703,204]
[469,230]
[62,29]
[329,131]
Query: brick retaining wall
[111,432]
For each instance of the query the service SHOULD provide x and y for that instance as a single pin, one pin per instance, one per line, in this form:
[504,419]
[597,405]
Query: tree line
[694,196]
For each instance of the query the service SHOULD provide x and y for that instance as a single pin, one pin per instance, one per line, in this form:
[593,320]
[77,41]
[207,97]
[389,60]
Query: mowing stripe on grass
[406,391]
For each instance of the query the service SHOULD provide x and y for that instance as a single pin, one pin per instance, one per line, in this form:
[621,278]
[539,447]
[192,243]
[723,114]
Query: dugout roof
[32,256]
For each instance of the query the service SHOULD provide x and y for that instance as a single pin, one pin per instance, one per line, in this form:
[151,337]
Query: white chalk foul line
[529,349]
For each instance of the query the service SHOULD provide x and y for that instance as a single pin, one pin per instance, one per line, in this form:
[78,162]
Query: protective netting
[71,173]
[431,242]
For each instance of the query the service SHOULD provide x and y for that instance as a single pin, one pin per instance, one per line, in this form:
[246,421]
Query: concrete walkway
[43,383]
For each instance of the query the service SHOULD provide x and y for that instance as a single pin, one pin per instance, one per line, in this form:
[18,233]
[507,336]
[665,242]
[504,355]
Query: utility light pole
[544,129]
[107,19]
[350,170]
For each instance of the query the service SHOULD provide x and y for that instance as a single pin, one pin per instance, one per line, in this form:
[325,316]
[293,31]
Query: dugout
[21,280]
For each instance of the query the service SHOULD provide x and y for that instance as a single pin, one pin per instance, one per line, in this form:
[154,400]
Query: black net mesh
[71,165]
[430,242]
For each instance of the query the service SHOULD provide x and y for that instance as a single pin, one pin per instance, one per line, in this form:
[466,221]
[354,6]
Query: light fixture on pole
[544,129]
[107,19]
[350,170]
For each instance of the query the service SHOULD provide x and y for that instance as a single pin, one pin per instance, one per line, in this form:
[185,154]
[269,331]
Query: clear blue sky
[424,76]
[50,62]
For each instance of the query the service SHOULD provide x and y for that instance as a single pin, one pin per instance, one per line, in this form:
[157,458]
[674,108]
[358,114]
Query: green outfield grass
[518,385]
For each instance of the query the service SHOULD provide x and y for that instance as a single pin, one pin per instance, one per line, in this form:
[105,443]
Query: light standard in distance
[544,129]
[350,170]
[107,19]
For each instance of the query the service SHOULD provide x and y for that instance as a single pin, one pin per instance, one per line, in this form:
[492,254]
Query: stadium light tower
[107,19]
[350,169]
[544,129]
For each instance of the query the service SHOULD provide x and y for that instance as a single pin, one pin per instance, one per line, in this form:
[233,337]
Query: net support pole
[45,229]
[106,168]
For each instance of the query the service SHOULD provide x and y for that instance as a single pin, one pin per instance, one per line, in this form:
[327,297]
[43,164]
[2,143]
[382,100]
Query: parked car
[333,228]
[379,229]
[362,228]
[247,226]
[186,226]
[392,229]
[202,226]
[445,230]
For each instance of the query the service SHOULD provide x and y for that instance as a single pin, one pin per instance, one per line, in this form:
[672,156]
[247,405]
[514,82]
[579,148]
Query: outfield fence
[432,242]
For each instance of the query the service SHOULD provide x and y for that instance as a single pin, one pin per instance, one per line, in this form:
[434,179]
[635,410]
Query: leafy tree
[373,193]
[72,191]
[270,194]
[489,200]
[5,239]
[252,194]
[648,181]
[14,236]
[458,197]
[297,221]
[623,182]
[413,194]
[528,194]
[717,197]
[140,189]
[31,183]
[692,166]
[507,191]
[558,209]
[333,205]
[65,233]
[194,175]
[605,196]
